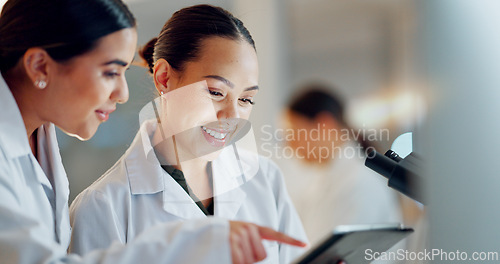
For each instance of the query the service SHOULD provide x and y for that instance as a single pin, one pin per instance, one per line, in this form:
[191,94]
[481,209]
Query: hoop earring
[40,84]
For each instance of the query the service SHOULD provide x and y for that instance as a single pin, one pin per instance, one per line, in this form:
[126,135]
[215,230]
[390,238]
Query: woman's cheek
[245,114]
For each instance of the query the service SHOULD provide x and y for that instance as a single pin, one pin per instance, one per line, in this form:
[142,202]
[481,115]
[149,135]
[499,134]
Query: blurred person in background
[205,69]
[327,179]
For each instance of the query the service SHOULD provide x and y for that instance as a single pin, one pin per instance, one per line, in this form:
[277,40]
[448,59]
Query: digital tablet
[350,243]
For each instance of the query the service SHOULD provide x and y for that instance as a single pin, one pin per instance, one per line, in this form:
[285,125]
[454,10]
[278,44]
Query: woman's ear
[36,64]
[161,75]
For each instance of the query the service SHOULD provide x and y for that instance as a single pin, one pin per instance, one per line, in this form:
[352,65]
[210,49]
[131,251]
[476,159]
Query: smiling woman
[96,81]
[179,167]
[75,87]
[230,71]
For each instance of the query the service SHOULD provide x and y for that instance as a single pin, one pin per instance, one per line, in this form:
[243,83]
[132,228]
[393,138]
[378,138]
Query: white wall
[462,49]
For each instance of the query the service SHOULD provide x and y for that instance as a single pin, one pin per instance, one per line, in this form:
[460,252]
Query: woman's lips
[103,115]
[216,137]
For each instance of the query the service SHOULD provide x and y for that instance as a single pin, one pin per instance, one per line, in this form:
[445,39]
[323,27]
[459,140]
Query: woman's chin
[208,153]
[83,138]
[81,134]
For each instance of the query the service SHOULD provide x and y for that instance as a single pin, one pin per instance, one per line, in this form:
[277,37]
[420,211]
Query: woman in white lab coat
[62,63]
[187,162]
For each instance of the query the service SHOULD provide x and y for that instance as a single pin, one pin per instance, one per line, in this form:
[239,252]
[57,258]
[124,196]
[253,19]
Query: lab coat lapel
[41,177]
[177,202]
[51,160]
[228,180]
[228,204]
[12,125]
[143,169]
[146,176]
[48,155]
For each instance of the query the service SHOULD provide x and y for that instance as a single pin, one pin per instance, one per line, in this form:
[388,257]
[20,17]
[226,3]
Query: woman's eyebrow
[252,88]
[222,79]
[119,62]
[229,83]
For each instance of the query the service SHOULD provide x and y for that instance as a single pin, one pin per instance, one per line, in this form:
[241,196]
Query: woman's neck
[195,170]
[197,174]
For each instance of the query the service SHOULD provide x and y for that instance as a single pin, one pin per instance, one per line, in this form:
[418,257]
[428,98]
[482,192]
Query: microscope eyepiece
[402,173]
[393,155]
[380,163]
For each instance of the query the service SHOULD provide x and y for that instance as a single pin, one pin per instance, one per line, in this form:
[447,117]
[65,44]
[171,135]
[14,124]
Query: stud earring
[162,92]
[40,84]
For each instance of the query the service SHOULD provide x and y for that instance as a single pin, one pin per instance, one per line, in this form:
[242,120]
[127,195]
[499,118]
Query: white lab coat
[137,193]
[34,220]
[344,192]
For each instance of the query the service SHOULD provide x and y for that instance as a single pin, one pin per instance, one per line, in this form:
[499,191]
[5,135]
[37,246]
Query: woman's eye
[111,74]
[215,93]
[247,101]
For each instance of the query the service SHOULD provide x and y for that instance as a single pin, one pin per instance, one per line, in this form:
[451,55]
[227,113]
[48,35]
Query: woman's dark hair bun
[147,53]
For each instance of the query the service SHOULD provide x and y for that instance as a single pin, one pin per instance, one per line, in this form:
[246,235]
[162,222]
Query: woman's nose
[121,93]
[228,110]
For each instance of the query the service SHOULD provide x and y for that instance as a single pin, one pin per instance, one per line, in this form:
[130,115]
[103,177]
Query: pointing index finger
[269,234]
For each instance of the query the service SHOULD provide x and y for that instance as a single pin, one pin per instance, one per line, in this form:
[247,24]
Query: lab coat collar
[50,160]
[146,177]
[228,179]
[230,175]
[143,168]
[228,192]
[176,201]
[11,124]
[14,136]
